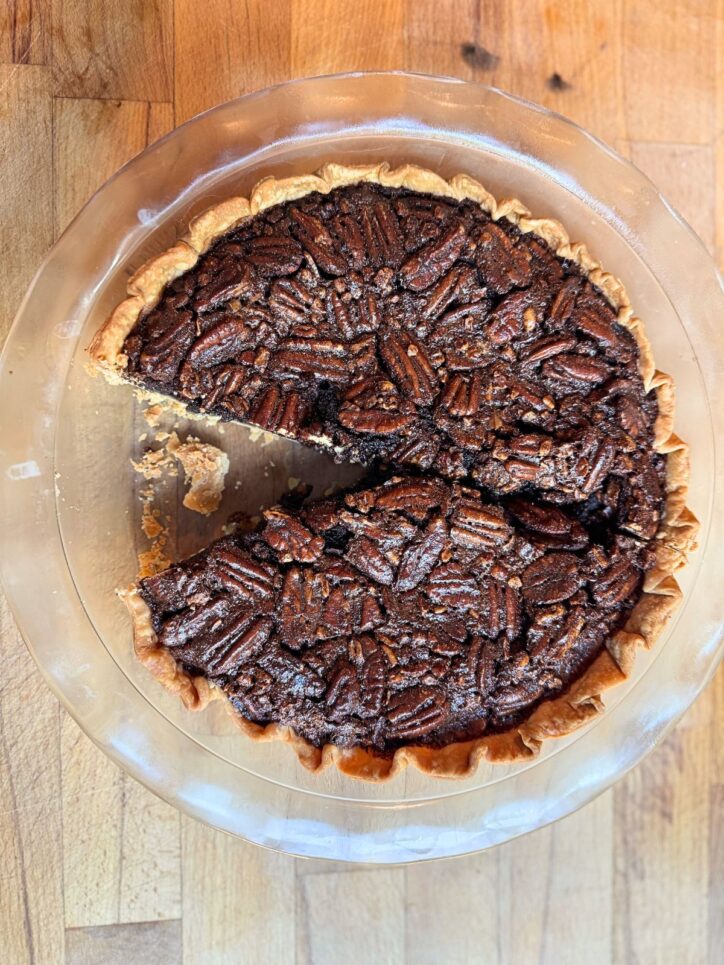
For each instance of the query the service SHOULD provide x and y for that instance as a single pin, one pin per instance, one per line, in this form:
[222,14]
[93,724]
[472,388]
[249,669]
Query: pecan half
[290,538]
[245,646]
[241,575]
[233,279]
[363,554]
[409,365]
[463,396]
[450,585]
[277,411]
[223,341]
[420,557]
[415,712]
[414,496]
[549,521]
[577,368]
[433,259]
[503,265]
[274,254]
[551,579]
[382,235]
[476,526]
[616,584]
[318,242]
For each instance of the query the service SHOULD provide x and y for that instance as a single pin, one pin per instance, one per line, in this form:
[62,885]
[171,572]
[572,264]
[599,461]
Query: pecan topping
[239,574]
[368,559]
[443,351]
[513,315]
[548,521]
[419,558]
[232,280]
[616,584]
[414,496]
[278,412]
[223,341]
[463,330]
[246,645]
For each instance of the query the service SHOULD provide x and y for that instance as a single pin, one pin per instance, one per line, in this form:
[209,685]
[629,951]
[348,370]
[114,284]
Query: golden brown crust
[675,539]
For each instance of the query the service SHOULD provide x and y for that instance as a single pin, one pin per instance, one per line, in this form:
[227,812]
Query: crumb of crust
[154,559]
[150,522]
[153,414]
[205,467]
[256,434]
[153,463]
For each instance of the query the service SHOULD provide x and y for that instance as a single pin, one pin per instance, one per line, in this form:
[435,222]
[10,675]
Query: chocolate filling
[411,334]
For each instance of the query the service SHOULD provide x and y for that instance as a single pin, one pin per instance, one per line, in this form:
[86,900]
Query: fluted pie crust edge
[675,538]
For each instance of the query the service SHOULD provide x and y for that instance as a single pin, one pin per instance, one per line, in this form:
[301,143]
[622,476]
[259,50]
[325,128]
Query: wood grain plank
[121,844]
[93,139]
[685,173]
[570,907]
[352,918]
[26,179]
[121,49]
[565,55]
[325,42]
[668,62]
[712,704]
[661,821]
[31,881]
[436,43]
[25,36]
[150,859]
[147,943]
[225,49]
[31,899]
[713,701]
[92,802]
[716,873]
[454,905]
[238,901]
[527,901]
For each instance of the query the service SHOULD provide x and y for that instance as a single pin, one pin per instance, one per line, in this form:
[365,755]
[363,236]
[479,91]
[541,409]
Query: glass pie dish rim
[172,138]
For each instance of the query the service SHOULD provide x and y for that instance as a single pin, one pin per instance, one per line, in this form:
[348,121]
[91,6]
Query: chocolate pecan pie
[524,510]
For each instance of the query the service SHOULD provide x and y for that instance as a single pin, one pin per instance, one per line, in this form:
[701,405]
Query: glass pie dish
[71,512]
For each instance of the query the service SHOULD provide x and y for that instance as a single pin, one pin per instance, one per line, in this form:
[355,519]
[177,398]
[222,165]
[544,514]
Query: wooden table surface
[93,868]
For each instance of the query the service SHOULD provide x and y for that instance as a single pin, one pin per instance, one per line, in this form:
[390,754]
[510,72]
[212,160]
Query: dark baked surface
[412,334]
[410,611]
[398,326]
